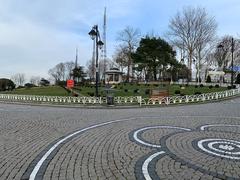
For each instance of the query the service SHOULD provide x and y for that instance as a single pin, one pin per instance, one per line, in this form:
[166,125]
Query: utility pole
[232,62]
[105,44]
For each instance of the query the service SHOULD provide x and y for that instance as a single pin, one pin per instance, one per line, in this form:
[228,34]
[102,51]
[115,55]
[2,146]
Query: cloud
[36,35]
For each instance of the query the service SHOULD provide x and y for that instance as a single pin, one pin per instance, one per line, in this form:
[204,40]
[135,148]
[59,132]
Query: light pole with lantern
[95,35]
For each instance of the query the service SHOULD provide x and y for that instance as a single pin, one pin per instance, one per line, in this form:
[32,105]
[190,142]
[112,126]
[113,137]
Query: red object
[70,83]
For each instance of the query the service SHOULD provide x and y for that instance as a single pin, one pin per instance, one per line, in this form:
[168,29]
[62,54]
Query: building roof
[114,70]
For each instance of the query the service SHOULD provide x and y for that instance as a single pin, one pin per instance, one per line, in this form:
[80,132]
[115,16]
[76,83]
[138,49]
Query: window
[116,77]
[110,77]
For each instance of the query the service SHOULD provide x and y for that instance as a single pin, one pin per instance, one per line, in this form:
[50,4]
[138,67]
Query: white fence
[68,100]
[132,100]
[192,98]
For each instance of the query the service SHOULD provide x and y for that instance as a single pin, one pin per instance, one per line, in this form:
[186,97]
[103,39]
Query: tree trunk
[190,65]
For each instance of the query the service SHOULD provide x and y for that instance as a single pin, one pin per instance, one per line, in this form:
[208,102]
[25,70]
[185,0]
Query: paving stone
[109,151]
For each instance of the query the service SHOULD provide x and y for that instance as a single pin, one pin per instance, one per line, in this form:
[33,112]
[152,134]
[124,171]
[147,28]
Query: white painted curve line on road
[217,153]
[202,128]
[146,163]
[45,156]
[135,135]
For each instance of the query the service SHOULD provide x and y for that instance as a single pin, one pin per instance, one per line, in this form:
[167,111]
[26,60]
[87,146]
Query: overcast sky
[35,35]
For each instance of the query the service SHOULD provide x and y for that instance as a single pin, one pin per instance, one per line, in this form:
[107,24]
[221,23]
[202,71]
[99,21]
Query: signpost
[70,83]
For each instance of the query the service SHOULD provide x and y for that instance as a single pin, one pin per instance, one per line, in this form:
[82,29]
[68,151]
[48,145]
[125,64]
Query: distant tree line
[67,70]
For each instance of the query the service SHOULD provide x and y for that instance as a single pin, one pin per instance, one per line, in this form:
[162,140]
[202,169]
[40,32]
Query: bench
[156,93]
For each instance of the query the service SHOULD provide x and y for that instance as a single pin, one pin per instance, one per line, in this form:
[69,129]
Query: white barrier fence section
[69,100]
[121,100]
[191,98]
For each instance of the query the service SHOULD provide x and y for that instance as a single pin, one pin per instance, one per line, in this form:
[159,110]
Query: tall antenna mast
[76,60]
[105,43]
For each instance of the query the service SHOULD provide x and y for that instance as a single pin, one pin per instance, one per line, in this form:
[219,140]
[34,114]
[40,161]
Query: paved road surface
[180,142]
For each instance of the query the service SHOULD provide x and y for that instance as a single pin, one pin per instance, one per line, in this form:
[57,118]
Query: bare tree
[129,38]
[58,72]
[91,69]
[69,66]
[35,80]
[18,79]
[192,30]
[61,69]
[121,58]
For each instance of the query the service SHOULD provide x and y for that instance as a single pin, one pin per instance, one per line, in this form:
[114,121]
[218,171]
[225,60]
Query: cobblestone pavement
[178,142]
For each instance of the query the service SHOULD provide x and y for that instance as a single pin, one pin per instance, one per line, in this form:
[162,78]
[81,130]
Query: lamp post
[95,35]
[232,50]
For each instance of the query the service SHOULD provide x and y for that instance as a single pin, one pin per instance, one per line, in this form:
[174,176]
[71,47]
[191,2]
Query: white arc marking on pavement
[217,152]
[215,125]
[135,135]
[146,163]
[45,156]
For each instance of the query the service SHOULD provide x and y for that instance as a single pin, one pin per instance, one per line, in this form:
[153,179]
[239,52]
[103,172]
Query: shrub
[208,79]
[210,87]
[201,85]
[234,86]
[177,92]
[75,95]
[197,93]
[229,87]
[6,84]
[186,85]
[182,94]
[147,91]
[90,94]
[29,85]
[44,82]
[20,87]
[216,86]
[156,85]
[125,90]
[196,86]
[136,90]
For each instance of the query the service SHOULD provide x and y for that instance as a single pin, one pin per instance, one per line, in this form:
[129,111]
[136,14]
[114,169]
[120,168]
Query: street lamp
[95,35]
[221,46]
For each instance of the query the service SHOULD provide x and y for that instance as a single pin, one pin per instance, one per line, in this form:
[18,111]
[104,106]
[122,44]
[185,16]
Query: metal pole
[198,71]
[96,28]
[232,63]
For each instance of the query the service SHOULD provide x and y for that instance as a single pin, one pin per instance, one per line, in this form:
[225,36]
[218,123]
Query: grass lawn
[41,91]
[118,90]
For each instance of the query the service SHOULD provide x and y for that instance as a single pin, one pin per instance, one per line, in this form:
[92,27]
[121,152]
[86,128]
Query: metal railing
[132,100]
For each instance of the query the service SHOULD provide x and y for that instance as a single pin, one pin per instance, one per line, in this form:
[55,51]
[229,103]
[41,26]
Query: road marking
[218,152]
[46,155]
[146,163]
[135,135]
[219,125]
